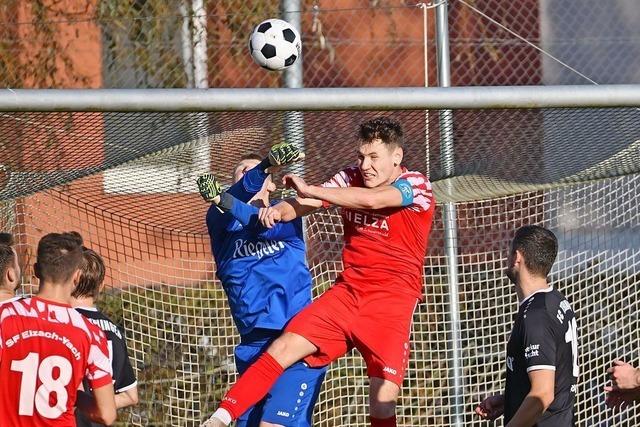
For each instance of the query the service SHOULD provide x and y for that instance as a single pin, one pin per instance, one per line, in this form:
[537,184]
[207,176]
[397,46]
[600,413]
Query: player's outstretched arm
[251,183]
[288,210]
[99,405]
[396,195]
[249,217]
[537,400]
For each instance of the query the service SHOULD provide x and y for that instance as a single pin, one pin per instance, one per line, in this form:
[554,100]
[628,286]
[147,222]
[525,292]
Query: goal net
[126,182]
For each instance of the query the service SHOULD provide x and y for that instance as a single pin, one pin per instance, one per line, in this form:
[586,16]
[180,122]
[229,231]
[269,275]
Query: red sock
[252,386]
[383,422]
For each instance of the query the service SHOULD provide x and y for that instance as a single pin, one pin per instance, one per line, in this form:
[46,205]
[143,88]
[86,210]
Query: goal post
[319,99]
[119,167]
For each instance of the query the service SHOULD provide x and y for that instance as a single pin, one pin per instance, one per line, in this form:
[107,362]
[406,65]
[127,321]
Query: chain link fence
[544,42]
[147,44]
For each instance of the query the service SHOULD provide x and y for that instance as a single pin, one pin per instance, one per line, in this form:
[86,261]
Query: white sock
[223,416]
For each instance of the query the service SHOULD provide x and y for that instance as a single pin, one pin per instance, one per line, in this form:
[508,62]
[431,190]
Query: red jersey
[386,247]
[46,349]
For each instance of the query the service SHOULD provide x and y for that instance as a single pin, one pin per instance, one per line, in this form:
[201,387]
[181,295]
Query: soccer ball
[275,44]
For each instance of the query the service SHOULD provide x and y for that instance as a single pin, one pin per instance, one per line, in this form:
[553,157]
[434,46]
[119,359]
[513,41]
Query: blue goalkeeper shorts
[291,400]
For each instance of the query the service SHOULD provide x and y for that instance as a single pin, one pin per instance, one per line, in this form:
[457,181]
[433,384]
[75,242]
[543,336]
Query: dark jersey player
[90,285]
[542,353]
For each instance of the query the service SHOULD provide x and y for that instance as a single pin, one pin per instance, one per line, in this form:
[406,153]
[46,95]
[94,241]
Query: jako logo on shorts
[390,370]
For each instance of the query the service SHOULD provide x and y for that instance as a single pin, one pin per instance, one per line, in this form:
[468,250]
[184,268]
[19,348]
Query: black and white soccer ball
[275,44]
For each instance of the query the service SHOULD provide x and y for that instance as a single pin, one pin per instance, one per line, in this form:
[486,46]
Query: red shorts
[377,323]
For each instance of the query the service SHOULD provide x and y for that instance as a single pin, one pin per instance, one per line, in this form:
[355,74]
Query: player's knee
[279,348]
[288,348]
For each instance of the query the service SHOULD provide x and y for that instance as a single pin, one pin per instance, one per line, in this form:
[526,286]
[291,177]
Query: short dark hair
[387,130]
[251,156]
[91,275]
[7,258]
[7,239]
[59,256]
[538,246]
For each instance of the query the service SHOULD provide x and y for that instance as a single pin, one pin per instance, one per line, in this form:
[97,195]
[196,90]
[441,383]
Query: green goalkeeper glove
[209,188]
[284,153]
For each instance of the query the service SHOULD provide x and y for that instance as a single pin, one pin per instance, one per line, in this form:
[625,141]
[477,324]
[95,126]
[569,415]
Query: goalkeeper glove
[284,153]
[209,188]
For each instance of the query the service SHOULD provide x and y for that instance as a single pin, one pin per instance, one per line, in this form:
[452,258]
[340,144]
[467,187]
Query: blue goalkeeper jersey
[263,271]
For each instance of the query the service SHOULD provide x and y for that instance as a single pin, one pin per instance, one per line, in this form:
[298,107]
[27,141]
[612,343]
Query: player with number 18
[47,348]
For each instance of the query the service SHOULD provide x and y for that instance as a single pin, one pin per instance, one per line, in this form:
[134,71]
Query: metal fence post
[449,214]
[293,78]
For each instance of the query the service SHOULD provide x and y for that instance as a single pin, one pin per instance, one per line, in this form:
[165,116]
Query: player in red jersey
[387,214]
[47,347]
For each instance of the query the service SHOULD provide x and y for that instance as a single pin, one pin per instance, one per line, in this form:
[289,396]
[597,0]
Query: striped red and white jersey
[46,349]
[386,247]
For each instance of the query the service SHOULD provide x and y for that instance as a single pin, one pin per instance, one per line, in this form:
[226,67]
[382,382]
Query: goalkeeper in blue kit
[266,279]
